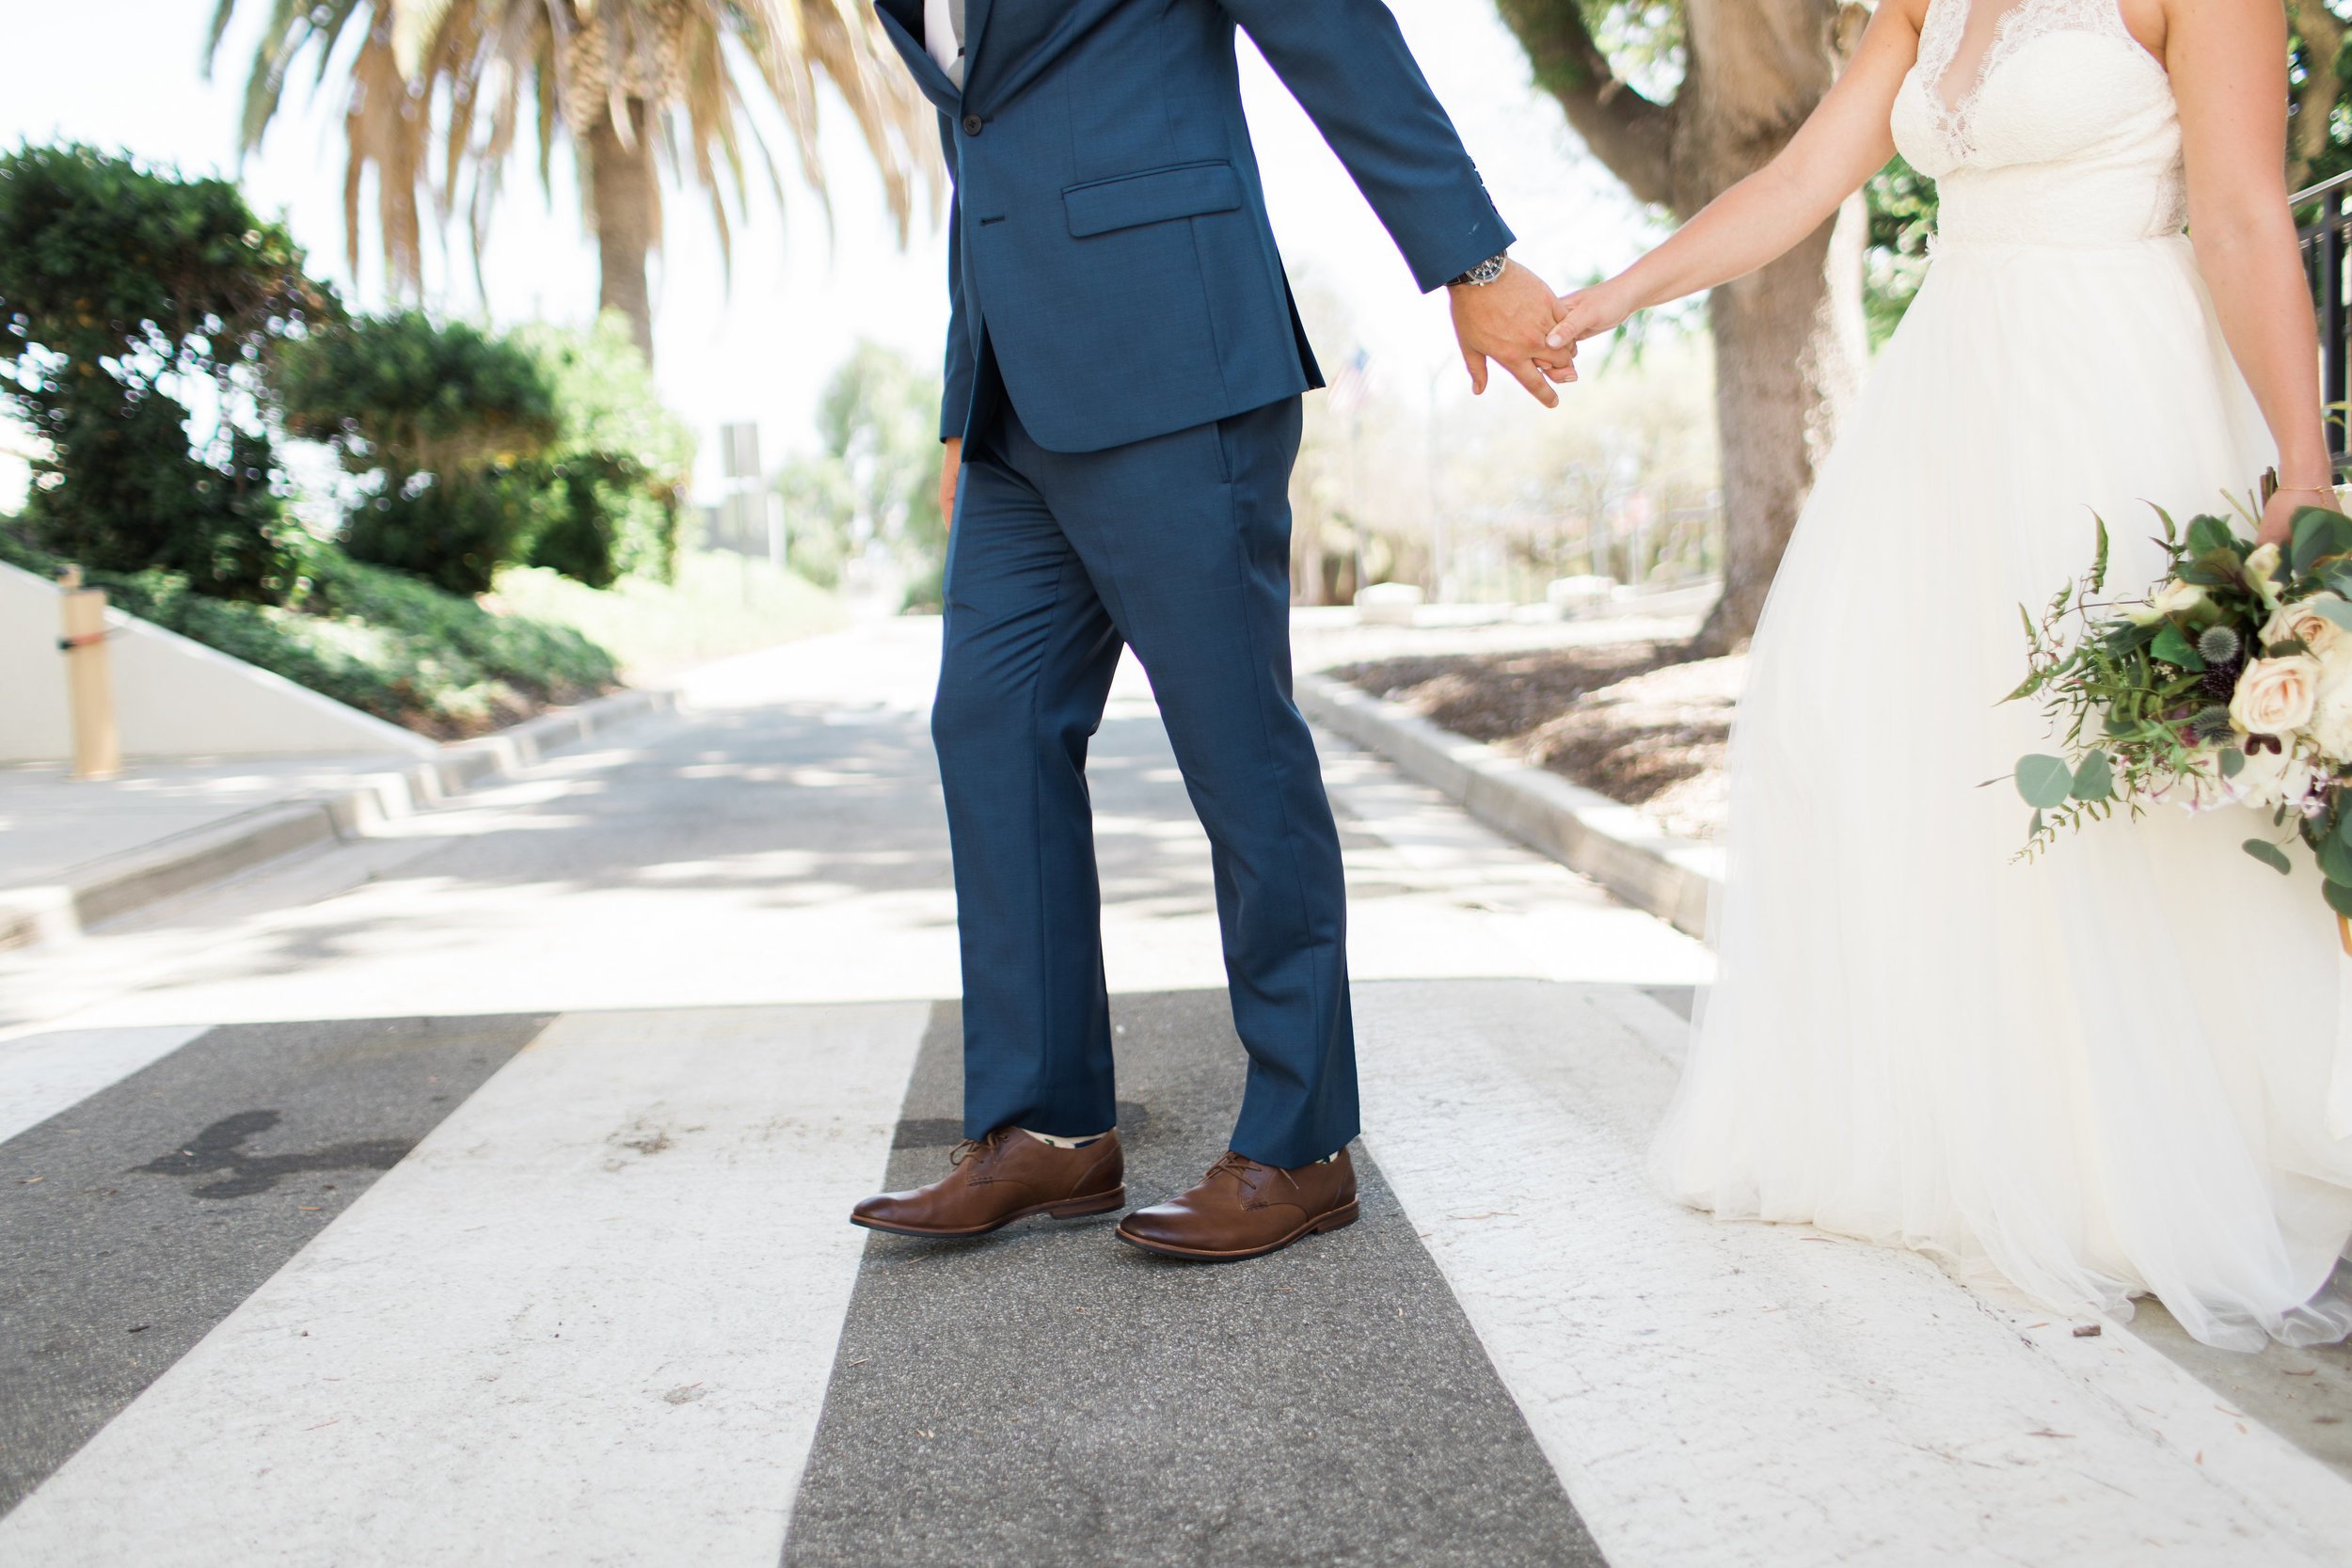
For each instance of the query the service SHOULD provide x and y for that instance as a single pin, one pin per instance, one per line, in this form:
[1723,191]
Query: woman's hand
[2279,516]
[950,467]
[1590,313]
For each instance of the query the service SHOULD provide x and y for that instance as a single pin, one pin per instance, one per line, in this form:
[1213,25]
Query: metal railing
[2325,251]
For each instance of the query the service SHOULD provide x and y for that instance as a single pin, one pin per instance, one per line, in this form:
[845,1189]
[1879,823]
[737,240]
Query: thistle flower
[2218,646]
[2212,725]
[2220,683]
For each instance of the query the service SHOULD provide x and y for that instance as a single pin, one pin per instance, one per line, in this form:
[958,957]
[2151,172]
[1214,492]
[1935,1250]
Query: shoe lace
[975,1147]
[1239,1167]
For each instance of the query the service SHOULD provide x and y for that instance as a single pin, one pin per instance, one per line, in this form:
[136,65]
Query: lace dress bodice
[2067,134]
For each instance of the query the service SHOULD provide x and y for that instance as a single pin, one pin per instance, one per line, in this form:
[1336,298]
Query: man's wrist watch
[1486,272]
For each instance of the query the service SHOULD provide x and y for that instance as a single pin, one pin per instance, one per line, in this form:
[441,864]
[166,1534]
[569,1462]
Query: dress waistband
[1941,244]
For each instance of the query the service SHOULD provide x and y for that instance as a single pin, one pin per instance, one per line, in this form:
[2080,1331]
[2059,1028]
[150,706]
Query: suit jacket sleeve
[961,368]
[1347,65]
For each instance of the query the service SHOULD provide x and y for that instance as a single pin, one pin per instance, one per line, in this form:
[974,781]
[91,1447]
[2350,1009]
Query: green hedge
[121,286]
[381,640]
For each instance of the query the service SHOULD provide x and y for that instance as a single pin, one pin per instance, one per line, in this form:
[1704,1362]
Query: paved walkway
[475,1195]
[51,822]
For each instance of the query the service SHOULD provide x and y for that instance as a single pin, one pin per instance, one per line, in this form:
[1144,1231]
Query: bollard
[89,681]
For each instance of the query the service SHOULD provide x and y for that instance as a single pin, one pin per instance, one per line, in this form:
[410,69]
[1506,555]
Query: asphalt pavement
[476,1192]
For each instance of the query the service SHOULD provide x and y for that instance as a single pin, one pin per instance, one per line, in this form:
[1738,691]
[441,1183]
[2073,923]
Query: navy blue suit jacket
[1108,239]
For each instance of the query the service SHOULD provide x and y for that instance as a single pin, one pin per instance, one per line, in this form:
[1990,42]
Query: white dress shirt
[939,36]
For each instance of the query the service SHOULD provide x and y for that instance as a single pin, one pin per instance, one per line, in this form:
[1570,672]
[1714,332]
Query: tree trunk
[1789,345]
[1789,342]
[624,202]
[2315,100]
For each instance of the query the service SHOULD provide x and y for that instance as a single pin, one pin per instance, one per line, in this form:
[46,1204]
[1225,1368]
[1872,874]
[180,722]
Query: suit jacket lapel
[975,23]
[903,21]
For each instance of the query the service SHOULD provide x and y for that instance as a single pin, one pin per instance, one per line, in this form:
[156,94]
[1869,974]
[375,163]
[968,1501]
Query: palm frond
[441,93]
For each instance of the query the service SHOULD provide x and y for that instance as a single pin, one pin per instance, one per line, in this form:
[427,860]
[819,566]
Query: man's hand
[951,464]
[1507,322]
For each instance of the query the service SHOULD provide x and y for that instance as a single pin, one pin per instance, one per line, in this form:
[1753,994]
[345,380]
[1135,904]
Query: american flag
[1352,387]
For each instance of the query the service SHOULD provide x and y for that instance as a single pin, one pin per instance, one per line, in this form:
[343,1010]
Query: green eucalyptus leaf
[2339,897]
[2335,859]
[2046,782]
[2319,535]
[2232,762]
[2270,855]
[2094,778]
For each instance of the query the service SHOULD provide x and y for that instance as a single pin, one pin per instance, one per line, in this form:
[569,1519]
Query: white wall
[173,698]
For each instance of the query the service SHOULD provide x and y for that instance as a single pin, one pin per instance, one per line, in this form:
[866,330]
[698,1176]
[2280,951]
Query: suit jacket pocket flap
[1185,190]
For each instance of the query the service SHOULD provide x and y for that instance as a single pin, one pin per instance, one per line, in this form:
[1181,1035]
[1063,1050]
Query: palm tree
[441,90]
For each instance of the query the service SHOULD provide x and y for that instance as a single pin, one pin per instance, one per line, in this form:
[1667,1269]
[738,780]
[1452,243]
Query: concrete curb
[116,885]
[1615,844]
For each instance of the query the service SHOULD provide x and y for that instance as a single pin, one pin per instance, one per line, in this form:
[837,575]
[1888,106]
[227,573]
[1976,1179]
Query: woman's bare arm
[2229,65]
[1846,141]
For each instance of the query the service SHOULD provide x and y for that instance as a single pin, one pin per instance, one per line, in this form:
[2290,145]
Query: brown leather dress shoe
[1244,1209]
[1002,1177]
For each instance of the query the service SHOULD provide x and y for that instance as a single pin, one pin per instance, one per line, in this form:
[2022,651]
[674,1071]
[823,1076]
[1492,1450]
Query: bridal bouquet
[2231,684]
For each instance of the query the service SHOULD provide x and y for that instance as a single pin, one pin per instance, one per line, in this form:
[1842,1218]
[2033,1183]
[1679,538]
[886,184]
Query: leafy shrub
[620,463]
[405,395]
[820,507]
[378,640]
[119,282]
[449,420]
[878,417]
[543,446]
[454,532]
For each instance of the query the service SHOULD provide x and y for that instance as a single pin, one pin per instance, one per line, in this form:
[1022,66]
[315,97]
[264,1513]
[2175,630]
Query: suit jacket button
[971,125]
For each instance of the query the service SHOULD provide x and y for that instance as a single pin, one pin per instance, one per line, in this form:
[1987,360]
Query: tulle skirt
[2108,1073]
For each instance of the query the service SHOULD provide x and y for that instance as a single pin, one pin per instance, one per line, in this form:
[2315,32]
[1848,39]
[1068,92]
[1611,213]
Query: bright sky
[126,74]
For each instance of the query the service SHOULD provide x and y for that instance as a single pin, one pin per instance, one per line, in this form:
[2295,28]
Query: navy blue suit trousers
[1178,546]
[1124,361]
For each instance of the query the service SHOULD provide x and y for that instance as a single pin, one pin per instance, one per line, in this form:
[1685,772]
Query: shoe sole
[1071,1209]
[1336,1220]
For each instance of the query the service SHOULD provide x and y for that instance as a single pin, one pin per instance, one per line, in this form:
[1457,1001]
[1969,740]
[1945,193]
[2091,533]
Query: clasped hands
[1518,322]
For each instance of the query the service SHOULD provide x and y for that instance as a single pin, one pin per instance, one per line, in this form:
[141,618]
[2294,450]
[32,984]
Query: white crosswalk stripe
[44,1073]
[1721,1396]
[588,1320]
[591,1318]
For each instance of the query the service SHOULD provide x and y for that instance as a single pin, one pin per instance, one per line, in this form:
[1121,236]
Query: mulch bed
[1635,721]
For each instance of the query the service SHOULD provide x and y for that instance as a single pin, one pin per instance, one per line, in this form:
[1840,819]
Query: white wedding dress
[2115,1072]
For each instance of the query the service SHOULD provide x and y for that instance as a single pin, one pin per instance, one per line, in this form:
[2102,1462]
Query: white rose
[2261,569]
[2276,696]
[2173,600]
[2271,778]
[2301,621]
[2332,718]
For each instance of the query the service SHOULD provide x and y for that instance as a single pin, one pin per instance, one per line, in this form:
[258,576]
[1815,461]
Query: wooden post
[89,681]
